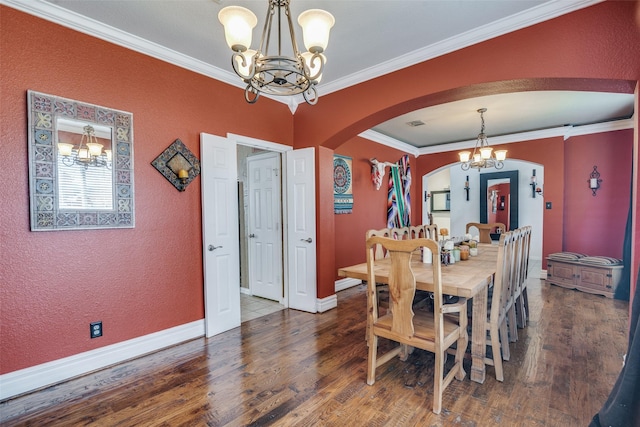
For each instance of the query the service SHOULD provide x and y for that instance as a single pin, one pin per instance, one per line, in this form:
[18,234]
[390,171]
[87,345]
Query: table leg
[479,336]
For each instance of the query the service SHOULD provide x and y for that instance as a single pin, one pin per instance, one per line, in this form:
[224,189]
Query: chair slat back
[416,232]
[379,251]
[401,233]
[431,232]
[502,278]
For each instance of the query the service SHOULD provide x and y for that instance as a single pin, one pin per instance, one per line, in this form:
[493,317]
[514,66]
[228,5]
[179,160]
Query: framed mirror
[80,165]
[498,197]
[440,201]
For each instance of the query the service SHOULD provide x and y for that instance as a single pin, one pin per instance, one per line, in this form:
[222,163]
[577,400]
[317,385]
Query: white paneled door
[301,229]
[220,233]
[265,229]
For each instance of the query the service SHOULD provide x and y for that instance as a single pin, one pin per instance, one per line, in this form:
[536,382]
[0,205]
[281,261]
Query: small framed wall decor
[178,164]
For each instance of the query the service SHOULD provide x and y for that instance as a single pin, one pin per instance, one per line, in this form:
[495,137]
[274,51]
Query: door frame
[279,148]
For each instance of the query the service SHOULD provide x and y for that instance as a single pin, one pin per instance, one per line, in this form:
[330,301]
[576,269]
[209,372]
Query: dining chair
[399,233]
[496,322]
[430,331]
[416,232]
[431,232]
[514,282]
[379,253]
[485,230]
[522,300]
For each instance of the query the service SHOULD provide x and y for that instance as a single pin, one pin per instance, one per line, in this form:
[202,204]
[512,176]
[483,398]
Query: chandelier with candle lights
[88,153]
[272,72]
[483,156]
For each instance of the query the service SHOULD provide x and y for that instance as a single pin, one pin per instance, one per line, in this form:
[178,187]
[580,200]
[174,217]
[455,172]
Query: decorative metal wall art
[594,181]
[178,164]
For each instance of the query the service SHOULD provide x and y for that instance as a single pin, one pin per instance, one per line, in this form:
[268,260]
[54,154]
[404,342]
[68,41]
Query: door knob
[309,240]
[251,236]
[213,248]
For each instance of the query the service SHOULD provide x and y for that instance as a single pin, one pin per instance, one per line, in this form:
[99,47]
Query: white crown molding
[46,374]
[75,21]
[374,136]
[565,131]
[535,15]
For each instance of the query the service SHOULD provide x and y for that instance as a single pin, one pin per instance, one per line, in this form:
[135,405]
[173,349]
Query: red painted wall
[155,278]
[148,278]
[501,215]
[596,225]
[369,204]
[590,49]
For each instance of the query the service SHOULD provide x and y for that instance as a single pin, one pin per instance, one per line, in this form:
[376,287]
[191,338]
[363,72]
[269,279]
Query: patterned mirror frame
[45,215]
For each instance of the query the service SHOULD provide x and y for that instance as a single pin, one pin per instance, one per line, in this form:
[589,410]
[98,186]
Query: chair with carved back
[380,253]
[431,232]
[485,230]
[496,322]
[416,232]
[399,233]
[431,331]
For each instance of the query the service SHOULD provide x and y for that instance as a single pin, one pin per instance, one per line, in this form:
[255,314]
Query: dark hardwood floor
[300,369]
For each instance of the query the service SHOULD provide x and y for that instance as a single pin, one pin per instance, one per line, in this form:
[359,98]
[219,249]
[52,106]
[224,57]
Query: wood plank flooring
[297,369]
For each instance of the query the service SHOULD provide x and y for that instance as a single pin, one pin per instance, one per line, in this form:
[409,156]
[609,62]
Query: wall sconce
[466,187]
[533,184]
[178,165]
[594,181]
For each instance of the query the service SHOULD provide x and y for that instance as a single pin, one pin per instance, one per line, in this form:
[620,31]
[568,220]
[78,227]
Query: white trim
[565,131]
[54,13]
[46,374]
[543,274]
[346,283]
[245,291]
[326,304]
[259,143]
[535,15]
[380,138]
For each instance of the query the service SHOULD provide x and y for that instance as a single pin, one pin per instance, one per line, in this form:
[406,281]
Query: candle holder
[594,181]
[466,187]
[178,165]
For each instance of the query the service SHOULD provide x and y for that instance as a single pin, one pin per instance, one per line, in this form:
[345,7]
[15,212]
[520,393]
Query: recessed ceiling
[370,38]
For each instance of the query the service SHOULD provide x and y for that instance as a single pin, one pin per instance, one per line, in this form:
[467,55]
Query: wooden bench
[595,279]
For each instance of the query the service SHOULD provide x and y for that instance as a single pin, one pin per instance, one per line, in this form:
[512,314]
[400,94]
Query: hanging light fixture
[483,156]
[276,74]
[88,153]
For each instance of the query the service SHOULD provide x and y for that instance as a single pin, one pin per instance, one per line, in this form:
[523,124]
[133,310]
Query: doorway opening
[260,231]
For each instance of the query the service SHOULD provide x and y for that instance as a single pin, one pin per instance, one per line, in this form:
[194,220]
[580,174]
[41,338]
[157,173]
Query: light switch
[547,205]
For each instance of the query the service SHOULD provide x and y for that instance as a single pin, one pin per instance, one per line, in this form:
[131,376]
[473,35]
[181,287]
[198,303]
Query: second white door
[265,226]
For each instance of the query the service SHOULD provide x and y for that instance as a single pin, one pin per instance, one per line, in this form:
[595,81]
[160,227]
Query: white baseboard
[326,304]
[346,283]
[35,377]
[245,291]
[543,274]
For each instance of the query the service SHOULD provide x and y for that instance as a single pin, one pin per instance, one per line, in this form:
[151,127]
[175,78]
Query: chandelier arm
[311,91]
[243,62]
[499,165]
[250,89]
[465,166]
[68,160]
[312,61]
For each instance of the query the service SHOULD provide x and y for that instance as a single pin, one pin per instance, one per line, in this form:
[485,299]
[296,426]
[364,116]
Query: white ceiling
[370,38]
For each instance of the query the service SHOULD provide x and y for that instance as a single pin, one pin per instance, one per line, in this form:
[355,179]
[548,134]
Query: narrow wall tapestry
[399,199]
[342,190]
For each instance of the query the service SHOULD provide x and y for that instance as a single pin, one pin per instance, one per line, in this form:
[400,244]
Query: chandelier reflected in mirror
[89,152]
[277,74]
[483,156]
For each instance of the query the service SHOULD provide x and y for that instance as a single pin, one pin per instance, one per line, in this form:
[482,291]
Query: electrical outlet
[96,329]
[547,205]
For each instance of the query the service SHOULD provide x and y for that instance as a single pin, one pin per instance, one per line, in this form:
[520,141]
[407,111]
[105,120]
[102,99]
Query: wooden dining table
[468,279]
